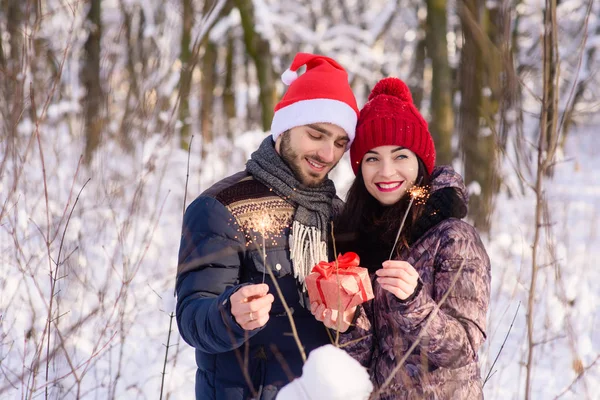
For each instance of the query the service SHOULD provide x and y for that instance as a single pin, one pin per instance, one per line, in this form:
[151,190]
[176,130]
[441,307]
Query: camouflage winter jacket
[450,258]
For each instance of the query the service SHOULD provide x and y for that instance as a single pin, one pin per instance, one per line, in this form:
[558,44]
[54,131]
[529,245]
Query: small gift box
[341,287]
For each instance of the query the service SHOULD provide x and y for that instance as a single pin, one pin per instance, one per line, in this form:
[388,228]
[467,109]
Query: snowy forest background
[115,114]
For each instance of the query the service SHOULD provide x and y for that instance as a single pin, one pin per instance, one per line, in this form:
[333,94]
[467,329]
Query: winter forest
[116,114]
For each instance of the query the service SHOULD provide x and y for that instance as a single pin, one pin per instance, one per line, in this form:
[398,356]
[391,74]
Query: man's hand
[330,317]
[250,306]
[398,278]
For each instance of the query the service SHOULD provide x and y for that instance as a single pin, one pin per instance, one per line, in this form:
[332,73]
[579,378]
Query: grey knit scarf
[308,239]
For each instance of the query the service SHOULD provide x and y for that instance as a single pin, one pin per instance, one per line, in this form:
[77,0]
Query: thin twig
[85,363]
[568,388]
[187,176]
[579,61]
[490,373]
[172,314]
[353,341]
[544,157]
[47,235]
[69,198]
[164,373]
[284,365]
[62,239]
[27,370]
[285,306]
[238,355]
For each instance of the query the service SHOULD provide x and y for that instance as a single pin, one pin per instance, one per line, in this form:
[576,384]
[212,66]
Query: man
[280,207]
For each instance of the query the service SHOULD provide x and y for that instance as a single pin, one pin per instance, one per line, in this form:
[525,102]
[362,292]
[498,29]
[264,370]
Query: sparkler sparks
[270,226]
[418,194]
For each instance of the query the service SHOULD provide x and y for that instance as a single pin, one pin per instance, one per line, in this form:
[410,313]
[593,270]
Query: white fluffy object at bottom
[329,373]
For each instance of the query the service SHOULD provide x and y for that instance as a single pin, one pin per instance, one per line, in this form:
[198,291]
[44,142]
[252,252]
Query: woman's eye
[401,157]
[370,159]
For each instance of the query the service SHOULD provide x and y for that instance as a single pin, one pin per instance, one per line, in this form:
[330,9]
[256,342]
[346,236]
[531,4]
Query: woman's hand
[330,317]
[398,278]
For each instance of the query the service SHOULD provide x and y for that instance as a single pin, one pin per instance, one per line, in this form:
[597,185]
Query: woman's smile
[389,186]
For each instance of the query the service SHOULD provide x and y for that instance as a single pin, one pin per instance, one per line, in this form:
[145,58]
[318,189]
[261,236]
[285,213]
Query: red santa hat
[322,94]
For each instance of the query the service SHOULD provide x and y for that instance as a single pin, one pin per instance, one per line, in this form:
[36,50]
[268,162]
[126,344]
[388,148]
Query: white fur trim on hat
[289,76]
[315,111]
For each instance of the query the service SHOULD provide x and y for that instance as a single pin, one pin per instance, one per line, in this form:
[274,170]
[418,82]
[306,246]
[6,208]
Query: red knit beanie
[390,118]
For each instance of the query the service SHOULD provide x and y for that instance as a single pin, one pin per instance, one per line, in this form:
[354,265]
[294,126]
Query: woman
[433,295]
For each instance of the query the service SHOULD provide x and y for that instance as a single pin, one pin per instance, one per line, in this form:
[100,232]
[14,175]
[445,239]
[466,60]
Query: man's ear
[278,144]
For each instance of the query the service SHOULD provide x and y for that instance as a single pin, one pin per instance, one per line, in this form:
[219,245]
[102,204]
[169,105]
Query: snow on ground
[567,312]
[117,256]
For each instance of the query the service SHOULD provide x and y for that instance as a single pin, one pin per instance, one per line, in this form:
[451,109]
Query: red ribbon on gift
[344,262]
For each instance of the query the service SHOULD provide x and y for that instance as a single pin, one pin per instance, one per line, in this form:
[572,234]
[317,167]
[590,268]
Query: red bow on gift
[344,261]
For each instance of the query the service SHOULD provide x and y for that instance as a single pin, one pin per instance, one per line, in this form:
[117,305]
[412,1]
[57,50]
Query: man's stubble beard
[292,159]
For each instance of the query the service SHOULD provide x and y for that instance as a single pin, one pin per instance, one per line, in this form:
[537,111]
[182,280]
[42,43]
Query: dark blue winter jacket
[218,255]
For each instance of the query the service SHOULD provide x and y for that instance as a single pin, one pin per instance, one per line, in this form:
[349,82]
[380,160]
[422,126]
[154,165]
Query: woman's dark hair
[366,224]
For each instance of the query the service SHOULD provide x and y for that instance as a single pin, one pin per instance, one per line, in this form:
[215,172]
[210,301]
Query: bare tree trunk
[495,69]
[36,65]
[4,107]
[478,149]
[520,147]
[341,5]
[509,88]
[14,84]
[12,102]
[259,50]
[14,25]
[133,50]
[163,102]
[328,11]
[442,112]
[418,69]
[550,53]
[90,77]
[361,11]
[470,89]
[187,67]
[142,57]
[228,91]
[491,26]
[248,76]
[209,80]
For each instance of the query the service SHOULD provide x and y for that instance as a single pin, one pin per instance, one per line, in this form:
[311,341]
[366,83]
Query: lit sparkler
[417,194]
[270,227]
[264,225]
